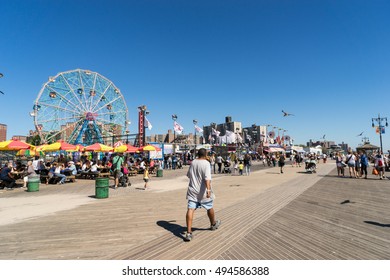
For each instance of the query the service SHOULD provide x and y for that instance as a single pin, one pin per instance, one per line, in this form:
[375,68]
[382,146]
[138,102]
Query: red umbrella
[97,147]
[14,145]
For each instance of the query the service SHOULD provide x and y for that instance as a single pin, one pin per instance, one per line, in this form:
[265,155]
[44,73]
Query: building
[3,132]
[20,138]
[229,125]
[169,137]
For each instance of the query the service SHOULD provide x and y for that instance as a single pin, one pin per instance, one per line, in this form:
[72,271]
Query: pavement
[266,215]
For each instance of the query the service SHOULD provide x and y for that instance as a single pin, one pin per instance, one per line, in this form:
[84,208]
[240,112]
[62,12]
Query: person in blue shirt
[6,176]
[71,169]
[363,163]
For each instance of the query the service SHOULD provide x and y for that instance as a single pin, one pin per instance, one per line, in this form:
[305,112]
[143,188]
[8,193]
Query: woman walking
[340,165]
[350,161]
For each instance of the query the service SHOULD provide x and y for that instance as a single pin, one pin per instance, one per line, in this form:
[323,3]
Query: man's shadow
[175,229]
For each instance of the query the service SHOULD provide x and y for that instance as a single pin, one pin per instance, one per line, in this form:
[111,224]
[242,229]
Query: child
[235,166]
[241,167]
[146,176]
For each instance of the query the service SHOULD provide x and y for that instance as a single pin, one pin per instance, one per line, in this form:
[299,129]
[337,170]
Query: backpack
[113,166]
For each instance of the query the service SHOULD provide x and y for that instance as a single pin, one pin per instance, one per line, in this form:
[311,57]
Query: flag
[231,137]
[239,138]
[215,132]
[177,127]
[148,124]
[198,129]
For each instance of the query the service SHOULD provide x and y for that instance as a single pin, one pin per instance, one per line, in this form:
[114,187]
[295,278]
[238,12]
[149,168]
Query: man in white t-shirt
[199,193]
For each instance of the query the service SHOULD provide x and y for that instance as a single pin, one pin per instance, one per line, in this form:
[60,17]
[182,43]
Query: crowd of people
[357,164]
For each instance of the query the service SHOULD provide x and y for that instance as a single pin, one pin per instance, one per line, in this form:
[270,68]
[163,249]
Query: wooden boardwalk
[264,216]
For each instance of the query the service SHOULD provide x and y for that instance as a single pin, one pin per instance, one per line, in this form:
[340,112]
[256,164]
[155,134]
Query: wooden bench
[104,174]
[71,178]
[132,173]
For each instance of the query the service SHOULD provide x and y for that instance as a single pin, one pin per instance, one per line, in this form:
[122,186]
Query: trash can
[101,187]
[159,173]
[33,184]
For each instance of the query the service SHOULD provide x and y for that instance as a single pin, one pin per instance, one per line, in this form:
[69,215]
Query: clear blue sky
[328,62]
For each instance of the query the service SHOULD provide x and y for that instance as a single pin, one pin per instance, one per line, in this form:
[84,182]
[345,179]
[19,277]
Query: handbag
[375,172]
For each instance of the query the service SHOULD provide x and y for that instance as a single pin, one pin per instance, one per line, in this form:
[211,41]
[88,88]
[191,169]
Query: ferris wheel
[79,107]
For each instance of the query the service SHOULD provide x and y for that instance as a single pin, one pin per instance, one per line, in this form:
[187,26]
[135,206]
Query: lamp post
[174,118]
[195,122]
[1,76]
[379,120]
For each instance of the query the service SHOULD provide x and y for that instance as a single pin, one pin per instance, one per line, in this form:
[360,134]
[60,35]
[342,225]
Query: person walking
[281,162]
[219,162]
[212,162]
[340,165]
[200,193]
[117,163]
[363,163]
[350,161]
[380,165]
[247,164]
[358,165]
[146,176]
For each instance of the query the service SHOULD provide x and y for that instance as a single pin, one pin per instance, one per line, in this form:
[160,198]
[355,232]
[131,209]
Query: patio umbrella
[13,145]
[59,146]
[29,153]
[97,147]
[148,148]
[79,148]
[126,148]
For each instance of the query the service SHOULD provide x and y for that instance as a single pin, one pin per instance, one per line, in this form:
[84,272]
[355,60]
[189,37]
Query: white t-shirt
[198,173]
[351,159]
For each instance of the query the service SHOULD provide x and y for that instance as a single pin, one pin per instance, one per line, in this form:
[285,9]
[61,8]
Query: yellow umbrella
[148,148]
[4,144]
[125,148]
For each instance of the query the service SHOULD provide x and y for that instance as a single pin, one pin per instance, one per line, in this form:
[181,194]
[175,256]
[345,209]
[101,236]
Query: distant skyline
[326,62]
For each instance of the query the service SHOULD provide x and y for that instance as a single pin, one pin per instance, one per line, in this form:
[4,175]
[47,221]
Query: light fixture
[53,94]
[1,75]
[174,117]
[109,107]
[80,91]
[195,122]
[92,92]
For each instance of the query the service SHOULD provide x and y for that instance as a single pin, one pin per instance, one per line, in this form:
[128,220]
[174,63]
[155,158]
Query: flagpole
[195,122]
[379,120]
[174,118]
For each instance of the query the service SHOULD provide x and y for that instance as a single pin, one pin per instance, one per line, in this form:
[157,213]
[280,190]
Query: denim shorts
[195,204]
